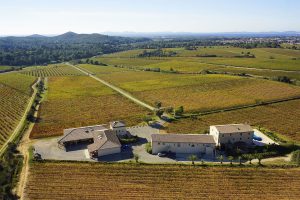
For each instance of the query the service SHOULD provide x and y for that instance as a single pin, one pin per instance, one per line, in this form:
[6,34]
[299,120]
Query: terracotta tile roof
[234,128]
[183,138]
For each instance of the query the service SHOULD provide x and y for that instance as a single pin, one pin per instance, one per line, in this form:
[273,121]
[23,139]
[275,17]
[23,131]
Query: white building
[232,133]
[118,127]
[183,143]
[101,141]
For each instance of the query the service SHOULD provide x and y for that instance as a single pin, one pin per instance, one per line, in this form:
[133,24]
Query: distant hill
[39,49]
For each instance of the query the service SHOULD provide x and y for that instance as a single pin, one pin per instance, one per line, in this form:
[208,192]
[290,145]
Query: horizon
[124,16]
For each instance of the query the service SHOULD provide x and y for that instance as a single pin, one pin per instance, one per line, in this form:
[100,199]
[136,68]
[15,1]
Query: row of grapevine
[12,106]
[130,181]
[52,70]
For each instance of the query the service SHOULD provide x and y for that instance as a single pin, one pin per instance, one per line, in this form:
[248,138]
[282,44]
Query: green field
[3,68]
[51,70]
[129,181]
[189,60]
[194,92]
[280,117]
[15,91]
[81,101]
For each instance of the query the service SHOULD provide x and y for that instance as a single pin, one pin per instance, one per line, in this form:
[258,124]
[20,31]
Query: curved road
[122,92]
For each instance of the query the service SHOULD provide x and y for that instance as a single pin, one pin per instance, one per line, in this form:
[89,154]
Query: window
[178,145]
[240,138]
[193,145]
[248,138]
[158,143]
[222,135]
[241,134]
[230,134]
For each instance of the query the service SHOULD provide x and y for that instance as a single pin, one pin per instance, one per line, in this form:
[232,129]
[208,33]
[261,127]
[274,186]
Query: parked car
[257,138]
[162,154]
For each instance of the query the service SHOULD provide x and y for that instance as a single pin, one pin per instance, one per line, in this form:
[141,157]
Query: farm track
[22,120]
[251,68]
[122,92]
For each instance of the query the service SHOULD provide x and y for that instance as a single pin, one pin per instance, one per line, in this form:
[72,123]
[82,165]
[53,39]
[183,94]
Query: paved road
[22,120]
[122,92]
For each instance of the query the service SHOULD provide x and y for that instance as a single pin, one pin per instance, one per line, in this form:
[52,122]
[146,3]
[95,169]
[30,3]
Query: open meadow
[129,181]
[280,117]
[81,101]
[194,92]
[15,90]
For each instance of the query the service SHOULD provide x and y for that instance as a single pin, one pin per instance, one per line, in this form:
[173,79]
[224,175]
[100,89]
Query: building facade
[232,133]
[183,143]
[119,128]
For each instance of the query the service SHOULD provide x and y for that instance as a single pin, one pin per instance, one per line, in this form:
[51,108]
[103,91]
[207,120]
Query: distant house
[232,133]
[101,141]
[118,127]
[183,143]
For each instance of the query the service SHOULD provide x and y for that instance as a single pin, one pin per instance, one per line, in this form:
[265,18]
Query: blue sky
[21,17]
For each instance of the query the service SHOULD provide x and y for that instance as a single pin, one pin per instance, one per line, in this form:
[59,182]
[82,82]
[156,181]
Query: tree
[296,157]
[221,158]
[179,111]
[147,119]
[230,158]
[159,113]
[136,158]
[157,104]
[240,159]
[259,157]
[248,157]
[193,158]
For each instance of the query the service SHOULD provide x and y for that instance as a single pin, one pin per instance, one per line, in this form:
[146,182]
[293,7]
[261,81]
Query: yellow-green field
[194,92]
[15,91]
[189,60]
[282,118]
[81,101]
[51,70]
[129,181]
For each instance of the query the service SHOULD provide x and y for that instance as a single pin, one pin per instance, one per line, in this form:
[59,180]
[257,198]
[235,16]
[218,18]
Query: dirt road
[122,92]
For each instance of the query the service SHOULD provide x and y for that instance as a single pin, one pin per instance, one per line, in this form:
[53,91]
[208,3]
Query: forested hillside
[38,50]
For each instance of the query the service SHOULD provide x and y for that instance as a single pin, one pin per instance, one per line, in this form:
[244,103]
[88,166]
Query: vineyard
[18,82]
[195,92]
[81,101]
[191,60]
[280,117]
[125,181]
[52,70]
[15,92]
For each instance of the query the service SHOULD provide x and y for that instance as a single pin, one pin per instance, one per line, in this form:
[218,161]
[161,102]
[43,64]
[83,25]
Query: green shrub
[148,147]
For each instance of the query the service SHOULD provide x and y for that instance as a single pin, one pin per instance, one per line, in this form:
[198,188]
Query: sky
[25,17]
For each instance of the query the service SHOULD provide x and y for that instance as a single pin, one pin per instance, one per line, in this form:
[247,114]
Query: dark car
[257,138]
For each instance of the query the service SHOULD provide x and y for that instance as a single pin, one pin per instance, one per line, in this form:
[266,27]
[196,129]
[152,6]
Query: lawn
[81,101]
[280,117]
[130,181]
[195,92]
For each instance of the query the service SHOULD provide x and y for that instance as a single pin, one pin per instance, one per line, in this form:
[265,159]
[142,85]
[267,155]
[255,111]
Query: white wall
[190,148]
